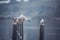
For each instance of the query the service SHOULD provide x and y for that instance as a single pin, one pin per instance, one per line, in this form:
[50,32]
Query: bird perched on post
[21,18]
[42,22]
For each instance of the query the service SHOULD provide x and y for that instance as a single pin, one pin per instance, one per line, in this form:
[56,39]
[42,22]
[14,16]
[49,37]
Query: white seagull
[21,18]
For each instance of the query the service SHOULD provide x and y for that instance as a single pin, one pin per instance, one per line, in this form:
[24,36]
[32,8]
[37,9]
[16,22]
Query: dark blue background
[49,10]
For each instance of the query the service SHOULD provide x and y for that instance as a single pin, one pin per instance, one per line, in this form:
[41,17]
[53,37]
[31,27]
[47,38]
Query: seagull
[21,18]
[42,22]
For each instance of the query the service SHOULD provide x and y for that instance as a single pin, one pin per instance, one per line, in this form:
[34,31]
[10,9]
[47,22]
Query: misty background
[49,10]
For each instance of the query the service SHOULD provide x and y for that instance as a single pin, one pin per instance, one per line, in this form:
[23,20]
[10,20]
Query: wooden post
[19,22]
[14,32]
[42,29]
[21,31]
[18,31]
[41,32]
